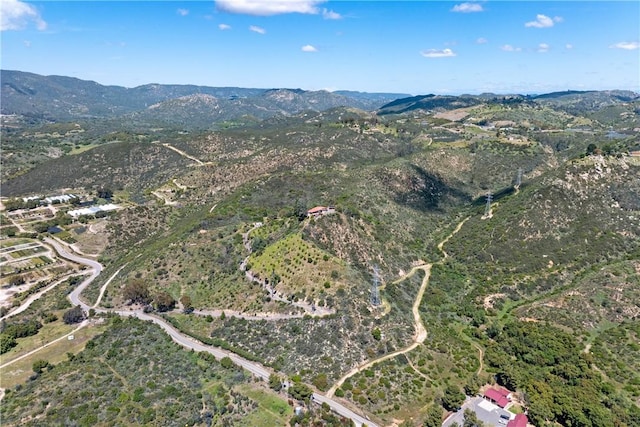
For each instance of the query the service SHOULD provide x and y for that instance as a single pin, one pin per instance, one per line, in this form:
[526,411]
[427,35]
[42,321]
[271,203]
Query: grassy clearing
[516,409]
[48,333]
[20,371]
[82,148]
[193,324]
[272,410]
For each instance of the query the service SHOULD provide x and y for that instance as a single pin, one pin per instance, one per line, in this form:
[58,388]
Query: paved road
[188,342]
[36,296]
[95,266]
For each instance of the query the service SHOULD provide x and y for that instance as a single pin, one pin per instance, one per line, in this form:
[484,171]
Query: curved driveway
[74,296]
[188,342]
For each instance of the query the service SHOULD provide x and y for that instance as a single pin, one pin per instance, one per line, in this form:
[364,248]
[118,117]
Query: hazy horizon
[334,90]
[412,47]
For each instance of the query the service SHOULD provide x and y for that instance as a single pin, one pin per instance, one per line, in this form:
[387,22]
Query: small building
[317,211]
[520,420]
[93,210]
[31,198]
[64,198]
[500,396]
[320,210]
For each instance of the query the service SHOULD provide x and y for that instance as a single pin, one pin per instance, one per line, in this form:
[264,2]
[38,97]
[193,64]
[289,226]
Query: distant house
[520,420]
[28,199]
[320,210]
[500,396]
[64,198]
[93,210]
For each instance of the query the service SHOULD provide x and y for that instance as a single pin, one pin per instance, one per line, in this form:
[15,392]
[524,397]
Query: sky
[412,47]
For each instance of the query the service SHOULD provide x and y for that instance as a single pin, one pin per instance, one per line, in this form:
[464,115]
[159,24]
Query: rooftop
[497,396]
[520,420]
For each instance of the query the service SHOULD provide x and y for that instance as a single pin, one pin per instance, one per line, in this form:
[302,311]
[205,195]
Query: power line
[487,208]
[375,293]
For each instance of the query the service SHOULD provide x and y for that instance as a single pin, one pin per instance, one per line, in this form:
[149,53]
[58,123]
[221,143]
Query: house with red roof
[320,210]
[500,396]
[520,420]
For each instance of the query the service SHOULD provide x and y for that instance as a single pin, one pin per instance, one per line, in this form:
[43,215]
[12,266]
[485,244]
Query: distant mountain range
[570,101]
[58,98]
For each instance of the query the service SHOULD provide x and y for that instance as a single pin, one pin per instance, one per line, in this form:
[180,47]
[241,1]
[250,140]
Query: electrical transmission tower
[487,208]
[375,294]
[519,178]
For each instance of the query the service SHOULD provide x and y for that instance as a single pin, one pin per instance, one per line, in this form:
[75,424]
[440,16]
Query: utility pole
[375,293]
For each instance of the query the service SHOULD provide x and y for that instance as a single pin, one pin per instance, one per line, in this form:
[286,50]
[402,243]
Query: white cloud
[543,48]
[437,53]
[258,30]
[309,48]
[330,14]
[224,27]
[467,8]
[568,46]
[482,40]
[626,45]
[15,15]
[27,43]
[269,7]
[543,21]
[509,48]
[183,12]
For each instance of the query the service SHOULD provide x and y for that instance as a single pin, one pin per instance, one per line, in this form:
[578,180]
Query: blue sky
[414,47]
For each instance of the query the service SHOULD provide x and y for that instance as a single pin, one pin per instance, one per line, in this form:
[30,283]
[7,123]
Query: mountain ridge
[58,98]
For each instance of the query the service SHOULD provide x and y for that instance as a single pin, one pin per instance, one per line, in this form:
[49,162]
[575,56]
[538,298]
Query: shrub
[164,302]
[226,363]
[74,315]
[40,365]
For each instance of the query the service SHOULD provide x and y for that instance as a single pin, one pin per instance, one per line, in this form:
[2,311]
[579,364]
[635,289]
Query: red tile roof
[497,396]
[316,209]
[520,420]
[503,391]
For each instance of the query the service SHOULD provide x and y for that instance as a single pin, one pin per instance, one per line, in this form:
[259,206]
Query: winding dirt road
[421,332]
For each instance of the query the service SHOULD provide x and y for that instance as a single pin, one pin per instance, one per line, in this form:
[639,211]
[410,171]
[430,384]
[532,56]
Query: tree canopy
[74,315]
[136,291]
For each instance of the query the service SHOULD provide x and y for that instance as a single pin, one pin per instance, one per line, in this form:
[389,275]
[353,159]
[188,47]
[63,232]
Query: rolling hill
[59,98]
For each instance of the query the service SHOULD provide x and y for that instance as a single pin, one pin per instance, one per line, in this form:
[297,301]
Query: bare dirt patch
[93,239]
[490,300]
[453,115]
